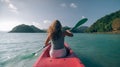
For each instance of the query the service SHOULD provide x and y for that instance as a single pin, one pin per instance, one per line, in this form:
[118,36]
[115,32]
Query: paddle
[82,21]
[35,53]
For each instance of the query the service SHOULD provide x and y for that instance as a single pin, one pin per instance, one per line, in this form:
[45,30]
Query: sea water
[94,50]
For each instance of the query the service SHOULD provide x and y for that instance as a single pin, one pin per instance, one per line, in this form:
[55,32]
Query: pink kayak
[69,61]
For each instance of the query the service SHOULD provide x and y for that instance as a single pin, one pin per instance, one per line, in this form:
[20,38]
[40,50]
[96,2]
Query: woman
[56,38]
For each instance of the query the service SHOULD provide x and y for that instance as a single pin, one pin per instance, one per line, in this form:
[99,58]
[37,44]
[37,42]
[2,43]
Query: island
[23,28]
[107,24]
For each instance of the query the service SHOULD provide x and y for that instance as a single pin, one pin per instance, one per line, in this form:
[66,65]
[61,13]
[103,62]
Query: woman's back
[58,43]
[56,36]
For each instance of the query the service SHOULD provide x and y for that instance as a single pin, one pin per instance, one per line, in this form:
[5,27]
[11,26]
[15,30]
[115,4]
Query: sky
[41,13]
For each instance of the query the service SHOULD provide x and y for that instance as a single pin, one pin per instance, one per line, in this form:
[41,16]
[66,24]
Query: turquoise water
[94,50]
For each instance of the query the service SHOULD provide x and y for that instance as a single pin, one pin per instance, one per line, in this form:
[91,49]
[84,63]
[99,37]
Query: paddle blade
[82,21]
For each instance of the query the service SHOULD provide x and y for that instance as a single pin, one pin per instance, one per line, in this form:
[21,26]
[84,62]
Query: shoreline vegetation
[108,24]
[112,32]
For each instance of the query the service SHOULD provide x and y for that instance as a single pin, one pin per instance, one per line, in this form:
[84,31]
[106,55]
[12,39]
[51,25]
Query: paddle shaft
[38,50]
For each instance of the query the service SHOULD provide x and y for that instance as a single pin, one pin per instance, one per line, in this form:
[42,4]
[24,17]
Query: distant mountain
[108,23]
[26,29]
[81,29]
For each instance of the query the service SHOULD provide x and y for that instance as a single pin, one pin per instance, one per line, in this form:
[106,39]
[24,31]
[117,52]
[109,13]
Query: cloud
[45,24]
[35,23]
[42,25]
[83,16]
[73,5]
[11,6]
[46,21]
[63,5]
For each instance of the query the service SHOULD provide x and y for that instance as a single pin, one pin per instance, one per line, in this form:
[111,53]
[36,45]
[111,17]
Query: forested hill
[26,29]
[107,23]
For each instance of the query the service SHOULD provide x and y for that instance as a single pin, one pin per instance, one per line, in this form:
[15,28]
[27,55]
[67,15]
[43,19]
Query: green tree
[116,24]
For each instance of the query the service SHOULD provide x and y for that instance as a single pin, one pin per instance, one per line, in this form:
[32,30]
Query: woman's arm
[68,33]
[47,40]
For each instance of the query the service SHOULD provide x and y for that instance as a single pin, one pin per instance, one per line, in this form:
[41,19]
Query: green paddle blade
[82,21]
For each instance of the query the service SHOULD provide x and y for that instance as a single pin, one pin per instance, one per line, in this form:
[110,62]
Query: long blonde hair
[54,30]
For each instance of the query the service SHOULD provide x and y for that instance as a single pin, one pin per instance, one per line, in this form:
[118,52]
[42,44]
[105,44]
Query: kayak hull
[69,61]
